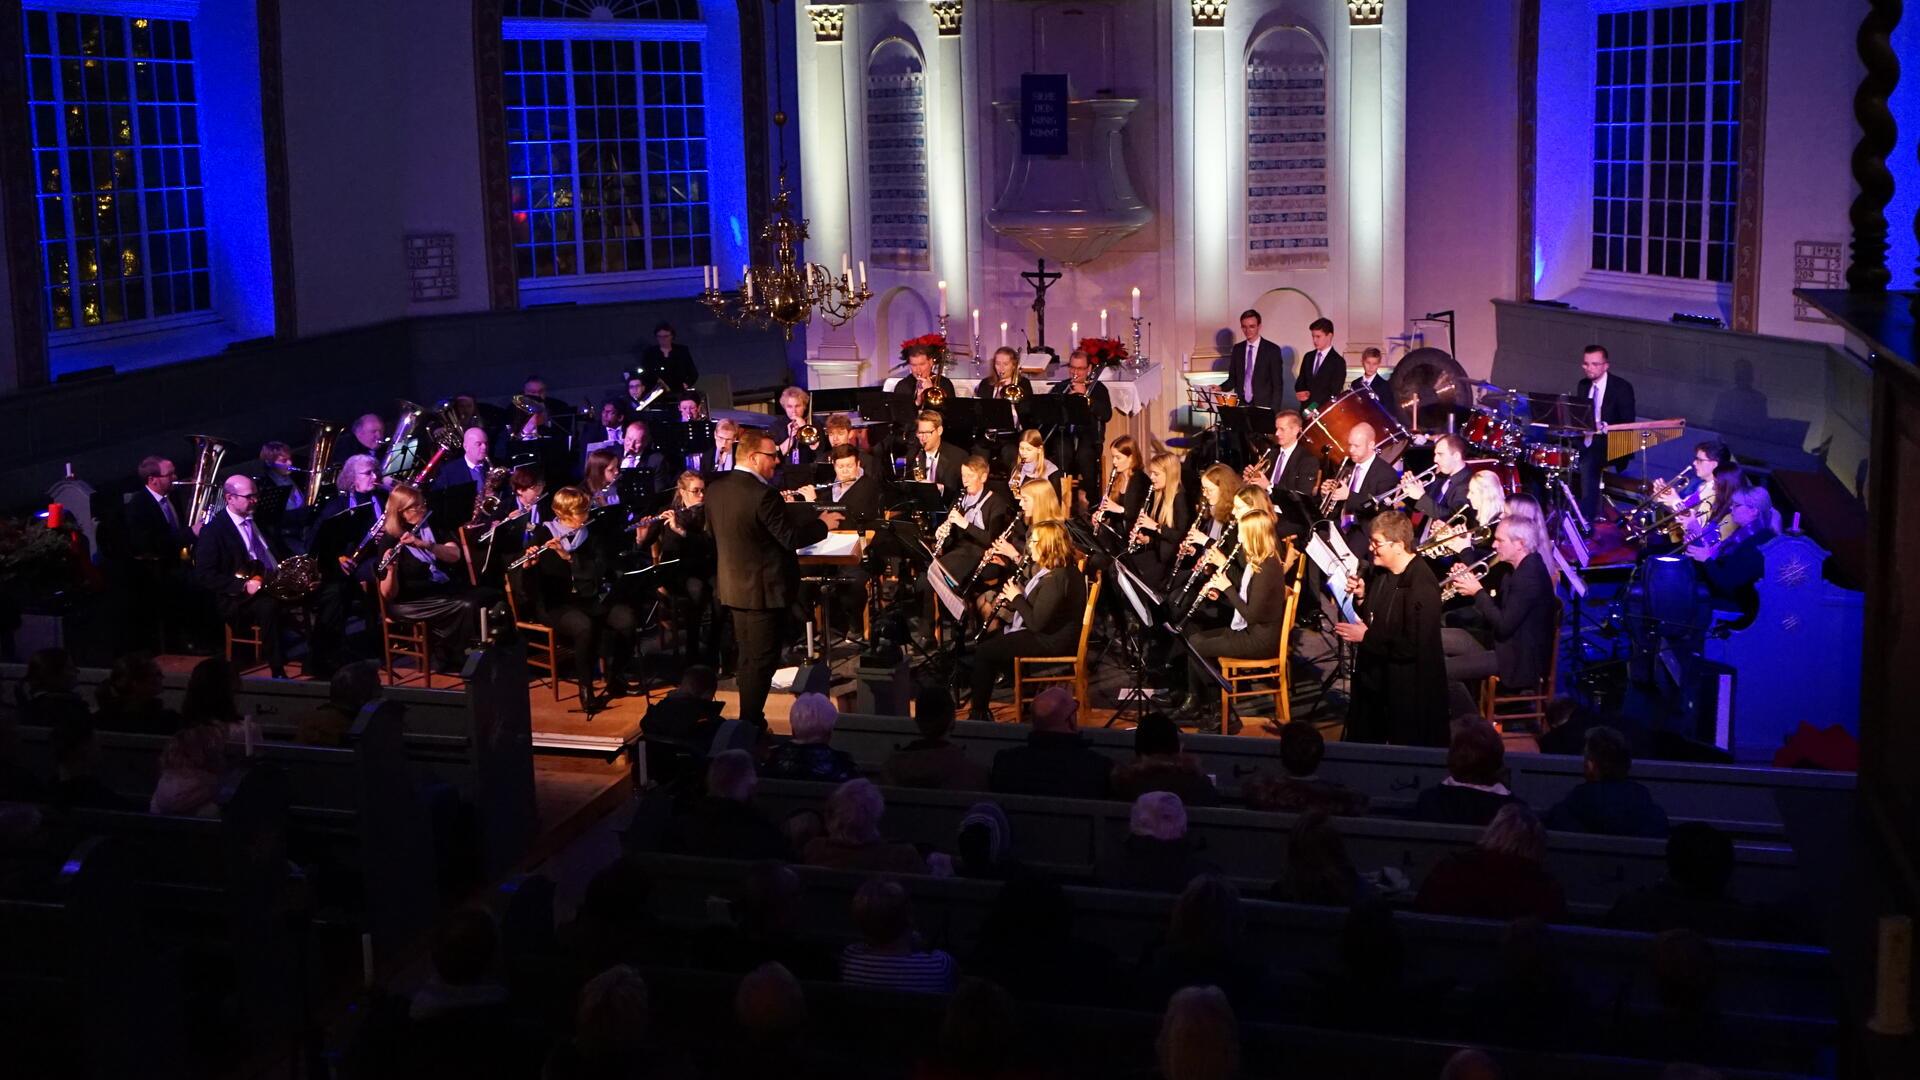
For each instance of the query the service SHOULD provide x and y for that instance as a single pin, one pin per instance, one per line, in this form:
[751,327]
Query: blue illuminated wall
[1903,251]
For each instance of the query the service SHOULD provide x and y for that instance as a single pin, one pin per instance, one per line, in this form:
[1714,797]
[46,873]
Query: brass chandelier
[788,291]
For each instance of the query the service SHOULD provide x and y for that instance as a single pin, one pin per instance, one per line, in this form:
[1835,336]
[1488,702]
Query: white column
[946,167]
[1366,264]
[1210,177]
[824,166]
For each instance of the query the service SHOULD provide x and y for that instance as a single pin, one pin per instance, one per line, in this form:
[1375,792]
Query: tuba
[208,452]
[406,429]
[319,453]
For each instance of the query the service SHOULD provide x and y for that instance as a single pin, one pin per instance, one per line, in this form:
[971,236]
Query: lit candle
[1103,322]
[846,268]
[976,324]
[746,284]
[943,299]
[863,273]
[1003,334]
[1136,301]
[1073,336]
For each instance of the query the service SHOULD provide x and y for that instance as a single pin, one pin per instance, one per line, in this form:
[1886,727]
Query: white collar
[1491,789]
[742,468]
[239,522]
[158,497]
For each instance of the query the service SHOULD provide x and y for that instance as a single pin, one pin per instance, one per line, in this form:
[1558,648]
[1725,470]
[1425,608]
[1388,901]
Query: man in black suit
[1323,371]
[1369,475]
[457,484]
[1256,370]
[1443,498]
[231,559]
[920,378]
[163,603]
[1076,448]
[934,459]
[1612,398]
[368,435]
[1293,478]
[534,389]
[1518,616]
[758,577]
[666,363]
[853,486]
[1370,377]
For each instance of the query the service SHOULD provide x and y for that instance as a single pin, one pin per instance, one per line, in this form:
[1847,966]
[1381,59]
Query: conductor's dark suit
[1322,376]
[759,577]
[1616,407]
[221,563]
[1272,383]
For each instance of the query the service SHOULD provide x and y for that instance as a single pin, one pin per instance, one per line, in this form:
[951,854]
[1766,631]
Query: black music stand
[1142,600]
[880,405]
[839,399]
[1242,424]
[1050,411]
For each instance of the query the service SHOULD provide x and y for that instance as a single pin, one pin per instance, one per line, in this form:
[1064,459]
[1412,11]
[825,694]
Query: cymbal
[1428,381]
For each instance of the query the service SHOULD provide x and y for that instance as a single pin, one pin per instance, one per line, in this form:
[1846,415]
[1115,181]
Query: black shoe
[980,716]
[589,703]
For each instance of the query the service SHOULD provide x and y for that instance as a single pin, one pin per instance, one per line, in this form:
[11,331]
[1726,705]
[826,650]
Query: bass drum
[1327,434]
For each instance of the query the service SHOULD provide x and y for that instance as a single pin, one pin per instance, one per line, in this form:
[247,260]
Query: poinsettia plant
[935,344]
[1103,352]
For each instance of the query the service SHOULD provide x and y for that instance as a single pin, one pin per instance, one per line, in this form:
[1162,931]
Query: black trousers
[756,635]
[1592,462]
[994,658]
[1467,661]
[1219,641]
[263,611]
[592,633]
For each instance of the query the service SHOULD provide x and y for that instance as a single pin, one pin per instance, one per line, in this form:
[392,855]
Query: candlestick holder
[978,368]
[1138,359]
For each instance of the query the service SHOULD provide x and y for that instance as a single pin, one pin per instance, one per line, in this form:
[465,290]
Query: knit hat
[1158,815]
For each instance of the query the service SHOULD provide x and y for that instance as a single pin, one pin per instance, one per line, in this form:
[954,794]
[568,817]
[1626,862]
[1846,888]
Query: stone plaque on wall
[1816,265]
[1287,167]
[430,271]
[897,170]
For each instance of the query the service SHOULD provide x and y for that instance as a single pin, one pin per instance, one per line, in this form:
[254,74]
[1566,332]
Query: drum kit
[1511,426]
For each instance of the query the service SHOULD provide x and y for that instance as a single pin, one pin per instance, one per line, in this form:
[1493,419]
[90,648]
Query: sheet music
[1335,560]
[840,544]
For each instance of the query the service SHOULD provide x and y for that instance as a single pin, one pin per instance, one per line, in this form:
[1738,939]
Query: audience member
[1530,1000]
[459,1023]
[50,689]
[193,766]
[1159,765]
[351,688]
[1471,1063]
[18,784]
[1318,870]
[765,929]
[1157,854]
[75,756]
[806,756]
[1684,1024]
[1199,1037]
[1473,792]
[1370,989]
[612,1036]
[889,954]
[853,840]
[771,1036]
[130,698]
[984,847]
[1501,877]
[934,760]
[1608,803]
[723,824]
[213,693]
[1027,945]
[1056,759]
[687,714]
[1205,945]
[1300,788]
[615,923]
[977,1038]
[1693,895]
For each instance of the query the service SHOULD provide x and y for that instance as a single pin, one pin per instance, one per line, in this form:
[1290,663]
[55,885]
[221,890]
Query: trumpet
[1328,500]
[387,557]
[1394,493]
[1452,539]
[1450,588]
[1257,472]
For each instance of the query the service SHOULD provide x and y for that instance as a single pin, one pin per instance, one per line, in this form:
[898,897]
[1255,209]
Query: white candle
[1892,990]
[1003,333]
[1136,301]
[863,272]
[1103,322]
[1073,335]
[976,324]
[846,268]
[943,299]
[746,285]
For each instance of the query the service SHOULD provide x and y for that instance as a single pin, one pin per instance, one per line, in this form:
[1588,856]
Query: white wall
[441,181]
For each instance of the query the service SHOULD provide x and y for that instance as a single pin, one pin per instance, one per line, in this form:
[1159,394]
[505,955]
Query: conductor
[755,538]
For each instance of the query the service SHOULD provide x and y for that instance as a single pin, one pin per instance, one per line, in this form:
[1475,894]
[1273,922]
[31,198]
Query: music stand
[1049,411]
[1245,423]
[995,414]
[270,503]
[879,405]
[838,399]
[1142,599]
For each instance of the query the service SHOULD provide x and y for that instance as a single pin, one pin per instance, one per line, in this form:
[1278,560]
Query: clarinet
[1200,594]
[1007,535]
[1001,604]
[1229,537]
[1100,516]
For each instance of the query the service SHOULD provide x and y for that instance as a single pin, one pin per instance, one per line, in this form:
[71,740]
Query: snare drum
[1326,435]
[1549,456]
[1492,434]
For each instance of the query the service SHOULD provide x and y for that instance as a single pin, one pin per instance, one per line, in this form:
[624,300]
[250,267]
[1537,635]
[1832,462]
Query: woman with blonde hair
[419,584]
[1004,377]
[1030,463]
[1257,595]
[1038,502]
[1199,1037]
[1162,522]
[1732,566]
[1044,612]
[567,585]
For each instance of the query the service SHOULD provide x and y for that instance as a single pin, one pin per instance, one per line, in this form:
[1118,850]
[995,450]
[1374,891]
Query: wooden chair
[1076,665]
[1239,673]
[254,639]
[403,638]
[543,656]
[1532,702]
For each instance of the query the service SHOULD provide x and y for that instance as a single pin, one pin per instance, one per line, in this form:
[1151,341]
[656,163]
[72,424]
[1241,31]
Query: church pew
[1077,833]
[883,1031]
[476,739]
[1755,978]
[1738,797]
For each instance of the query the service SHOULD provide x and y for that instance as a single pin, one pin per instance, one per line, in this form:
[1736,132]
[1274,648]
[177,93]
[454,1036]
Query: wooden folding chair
[543,657]
[1238,673]
[1532,702]
[403,637]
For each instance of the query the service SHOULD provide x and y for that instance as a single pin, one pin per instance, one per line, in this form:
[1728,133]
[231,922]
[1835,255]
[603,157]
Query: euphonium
[318,454]
[208,452]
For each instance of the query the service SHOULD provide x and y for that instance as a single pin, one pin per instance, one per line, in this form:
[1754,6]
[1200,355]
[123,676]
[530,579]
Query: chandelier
[787,291]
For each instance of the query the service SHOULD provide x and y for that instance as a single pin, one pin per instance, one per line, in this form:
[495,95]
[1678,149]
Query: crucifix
[1041,280]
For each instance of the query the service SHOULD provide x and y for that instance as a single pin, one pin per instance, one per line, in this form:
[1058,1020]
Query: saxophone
[487,500]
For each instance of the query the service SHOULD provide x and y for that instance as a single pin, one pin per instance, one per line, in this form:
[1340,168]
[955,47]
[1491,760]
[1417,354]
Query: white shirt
[1020,620]
[1246,579]
[1280,465]
[1597,394]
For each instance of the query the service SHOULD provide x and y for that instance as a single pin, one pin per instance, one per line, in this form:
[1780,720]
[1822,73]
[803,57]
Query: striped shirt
[930,972]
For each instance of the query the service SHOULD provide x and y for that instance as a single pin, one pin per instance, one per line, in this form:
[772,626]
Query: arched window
[1287,158]
[606,137]
[897,157]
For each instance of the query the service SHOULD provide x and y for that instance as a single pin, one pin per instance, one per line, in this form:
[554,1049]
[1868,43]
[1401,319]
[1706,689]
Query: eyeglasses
[248,497]
[763,453]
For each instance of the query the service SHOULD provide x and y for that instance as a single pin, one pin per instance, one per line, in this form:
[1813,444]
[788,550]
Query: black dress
[428,591]
[576,598]
[1400,669]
